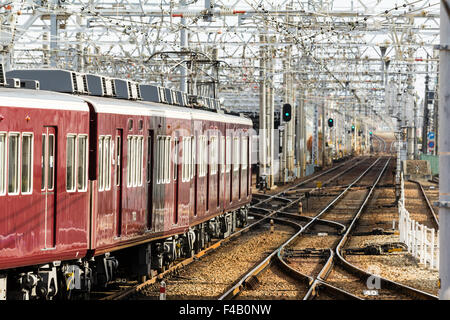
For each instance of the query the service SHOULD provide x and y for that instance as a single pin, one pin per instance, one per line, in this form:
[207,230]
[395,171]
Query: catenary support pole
[444,152]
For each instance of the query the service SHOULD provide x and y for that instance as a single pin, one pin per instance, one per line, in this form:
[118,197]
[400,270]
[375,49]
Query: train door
[175,179]
[48,189]
[220,167]
[118,180]
[150,141]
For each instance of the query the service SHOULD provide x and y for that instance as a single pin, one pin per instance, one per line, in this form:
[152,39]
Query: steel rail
[323,274]
[354,269]
[239,285]
[382,140]
[433,214]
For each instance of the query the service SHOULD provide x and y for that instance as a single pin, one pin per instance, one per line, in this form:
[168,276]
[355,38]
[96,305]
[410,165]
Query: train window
[101,162]
[107,162]
[228,164]
[139,159]
[222,154]
[159,166]
[82,162]
[149,158]
[193,151]
[213,156]
[184,149]
[44,139]
[13,163]
[27,163]
[244,153]
[163,165]
[236,153]
[118,160]
[186,159]
[129,162]
[167,159]
[175,159]
[130,124]
[202,153]
[51,162]
[135,161]
[2,163]
[70,163]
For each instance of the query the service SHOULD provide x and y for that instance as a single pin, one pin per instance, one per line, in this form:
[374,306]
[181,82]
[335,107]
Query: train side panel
[41,220]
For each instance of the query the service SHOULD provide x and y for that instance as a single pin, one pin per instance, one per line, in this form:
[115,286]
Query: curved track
[391,289]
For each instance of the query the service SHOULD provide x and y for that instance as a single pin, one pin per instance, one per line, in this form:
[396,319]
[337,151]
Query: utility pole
[323,135]
[444,153]
[183,45]
[263,150]
[425,113]
[54,37]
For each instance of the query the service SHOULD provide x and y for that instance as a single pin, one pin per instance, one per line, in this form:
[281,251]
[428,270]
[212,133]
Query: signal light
[353,128]
[287,112]
[330,122]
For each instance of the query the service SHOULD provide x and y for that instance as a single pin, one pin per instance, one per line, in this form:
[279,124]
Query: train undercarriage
[70,280]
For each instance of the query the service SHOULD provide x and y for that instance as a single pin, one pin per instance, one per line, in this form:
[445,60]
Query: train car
[44,191]
[126,186]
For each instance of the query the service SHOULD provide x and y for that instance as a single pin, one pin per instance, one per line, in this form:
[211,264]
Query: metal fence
[420,239]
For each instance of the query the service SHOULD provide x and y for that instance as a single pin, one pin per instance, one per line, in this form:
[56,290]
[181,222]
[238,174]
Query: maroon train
[91,187]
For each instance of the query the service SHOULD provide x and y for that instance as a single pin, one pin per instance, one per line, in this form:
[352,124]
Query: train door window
[101,162]
[236,154]
[70,163]
[107,162]
[118,160]
[149,158]
[213,156]
[51,162]
[228,164]
[244,153]
[13,163]
[82,162]
[43,170]
[193,158]
[175,158]
[2,163]
[222,154]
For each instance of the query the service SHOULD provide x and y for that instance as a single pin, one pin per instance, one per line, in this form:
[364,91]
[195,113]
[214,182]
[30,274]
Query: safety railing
[420,239]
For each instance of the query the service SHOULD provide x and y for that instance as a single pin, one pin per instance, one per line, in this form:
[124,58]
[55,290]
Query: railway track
[331,259]
[433,216]
[327,176]
[276,254]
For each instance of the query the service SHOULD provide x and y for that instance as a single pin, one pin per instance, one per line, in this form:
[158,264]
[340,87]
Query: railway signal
[287,112]
[353,128]
[330,122]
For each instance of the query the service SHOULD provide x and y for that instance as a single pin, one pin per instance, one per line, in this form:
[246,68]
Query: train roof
[26,98]
[122,106]
[42,99]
